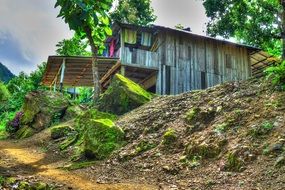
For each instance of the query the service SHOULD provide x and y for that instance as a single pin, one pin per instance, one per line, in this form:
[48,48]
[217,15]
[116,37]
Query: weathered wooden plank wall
[188,62]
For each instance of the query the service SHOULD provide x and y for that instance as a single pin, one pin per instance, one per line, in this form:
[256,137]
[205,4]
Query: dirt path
[18,159]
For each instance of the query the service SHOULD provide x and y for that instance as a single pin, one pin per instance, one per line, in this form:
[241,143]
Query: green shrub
[221,128]
[144,146]
[233,163]
[2,180]
[4,93]
[277,74]
[262,129]
[192,114]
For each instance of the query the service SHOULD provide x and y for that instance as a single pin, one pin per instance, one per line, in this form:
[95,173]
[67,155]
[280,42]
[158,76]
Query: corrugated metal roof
[156,28]
[260,60]
[78,70]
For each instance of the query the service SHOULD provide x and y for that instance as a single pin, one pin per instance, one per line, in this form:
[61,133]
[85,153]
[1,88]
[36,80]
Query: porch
[76,71]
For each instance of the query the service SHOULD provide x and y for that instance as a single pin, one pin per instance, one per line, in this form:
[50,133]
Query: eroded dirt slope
[30,162]
[228,137]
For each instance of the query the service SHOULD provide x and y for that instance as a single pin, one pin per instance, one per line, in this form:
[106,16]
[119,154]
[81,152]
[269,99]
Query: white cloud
[189,13]
[34,25]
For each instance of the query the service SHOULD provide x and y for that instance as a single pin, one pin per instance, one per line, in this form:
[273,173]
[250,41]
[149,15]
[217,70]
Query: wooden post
[54,86]
[122,43]
[62,75]
[123,70]
[283,28]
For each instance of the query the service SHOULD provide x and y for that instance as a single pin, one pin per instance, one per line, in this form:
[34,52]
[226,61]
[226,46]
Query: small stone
[280,161]
[219,108]
[276,147]
[167,168]
[276,124]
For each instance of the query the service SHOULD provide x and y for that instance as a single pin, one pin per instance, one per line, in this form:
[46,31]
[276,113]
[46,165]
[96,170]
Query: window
[216,60]
[228,61]
[167,79]
[189,53]
[134,56]
[203,80]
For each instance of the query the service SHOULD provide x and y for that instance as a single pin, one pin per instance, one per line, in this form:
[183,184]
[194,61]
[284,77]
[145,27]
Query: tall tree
[282,3]
[72,47]
[89,19]
[255,22]
[137,12]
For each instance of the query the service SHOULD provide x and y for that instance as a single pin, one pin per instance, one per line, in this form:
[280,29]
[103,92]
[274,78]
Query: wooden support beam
[62,75]
[123,70]
[82,73]
[55,78]
[111,72]
[149,81]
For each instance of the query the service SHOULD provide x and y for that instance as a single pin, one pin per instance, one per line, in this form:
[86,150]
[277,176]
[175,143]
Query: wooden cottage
[163,60]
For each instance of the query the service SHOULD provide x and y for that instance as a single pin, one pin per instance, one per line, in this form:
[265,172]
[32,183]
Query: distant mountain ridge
[5,73]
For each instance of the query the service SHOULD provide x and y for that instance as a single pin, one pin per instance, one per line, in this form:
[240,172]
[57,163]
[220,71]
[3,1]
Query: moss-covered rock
[24,132]
[91,115]
[72,112]
[169,137]
[41,186]
[61,130]
[40,110]
[23,185]
[95,136]
[122,96]
[202,115]
[203,150]
[101,138]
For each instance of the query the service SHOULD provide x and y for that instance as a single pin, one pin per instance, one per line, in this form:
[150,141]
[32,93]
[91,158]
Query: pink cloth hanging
[112,48]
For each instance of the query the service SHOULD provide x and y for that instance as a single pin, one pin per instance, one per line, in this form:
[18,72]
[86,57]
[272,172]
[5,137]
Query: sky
[30,29]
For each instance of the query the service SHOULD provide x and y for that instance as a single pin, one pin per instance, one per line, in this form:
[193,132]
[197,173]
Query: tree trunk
[283,28]
[95,71]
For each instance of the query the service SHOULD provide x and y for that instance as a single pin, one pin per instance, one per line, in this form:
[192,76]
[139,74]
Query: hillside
[5,73]
[231,136]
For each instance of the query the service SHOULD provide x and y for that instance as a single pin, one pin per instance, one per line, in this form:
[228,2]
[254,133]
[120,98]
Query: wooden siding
[188,63]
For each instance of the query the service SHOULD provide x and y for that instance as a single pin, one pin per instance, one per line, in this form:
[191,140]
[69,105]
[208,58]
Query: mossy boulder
[91,115]
[101,138]
[169,137]
[23,185]
[42,108]
[203,115]
[98,136]
[72,112]
[209,148]
[61,130]
[122,96]
[41,186]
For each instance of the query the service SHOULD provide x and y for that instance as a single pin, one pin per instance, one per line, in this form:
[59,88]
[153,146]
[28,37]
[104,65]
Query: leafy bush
[277,74]
[5,118]
[14,124]
[261,130]
[17,88]
[4,93]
